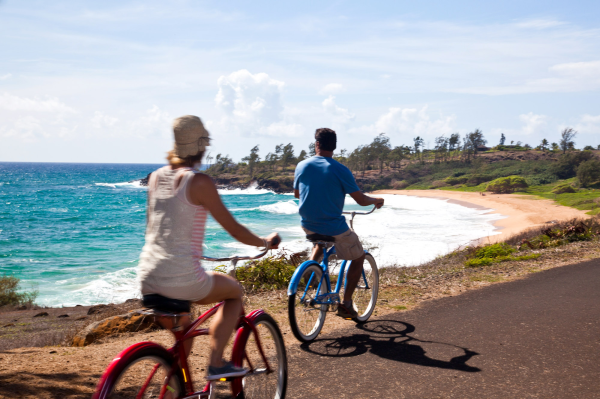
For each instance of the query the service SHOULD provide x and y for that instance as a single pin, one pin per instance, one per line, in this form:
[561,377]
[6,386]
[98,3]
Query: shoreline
[522,212]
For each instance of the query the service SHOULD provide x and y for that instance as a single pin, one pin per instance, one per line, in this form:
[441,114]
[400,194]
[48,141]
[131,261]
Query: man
[321,183]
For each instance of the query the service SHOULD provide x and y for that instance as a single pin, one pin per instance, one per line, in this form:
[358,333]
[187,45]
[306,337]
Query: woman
[179,200]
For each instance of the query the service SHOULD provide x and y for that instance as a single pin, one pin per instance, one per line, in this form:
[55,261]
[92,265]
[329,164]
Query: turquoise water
[74,231]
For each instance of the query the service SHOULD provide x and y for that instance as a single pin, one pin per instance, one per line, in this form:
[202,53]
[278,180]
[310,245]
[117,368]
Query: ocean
[74,231]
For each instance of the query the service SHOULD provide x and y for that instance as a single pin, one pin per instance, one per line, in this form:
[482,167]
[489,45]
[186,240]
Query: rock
[53,352]
[130,322]
[62,315]
[81,318]
[41,314]
[23,307]
[133,300]
[97,309]
[144,181]
[9,325]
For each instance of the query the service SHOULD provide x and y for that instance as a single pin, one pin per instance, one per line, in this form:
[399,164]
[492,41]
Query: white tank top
[174,233]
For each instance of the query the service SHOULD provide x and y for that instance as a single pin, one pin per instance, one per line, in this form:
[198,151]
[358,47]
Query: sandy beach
[522,212]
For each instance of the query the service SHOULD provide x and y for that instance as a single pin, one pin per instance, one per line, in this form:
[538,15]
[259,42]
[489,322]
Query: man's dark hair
[326,138]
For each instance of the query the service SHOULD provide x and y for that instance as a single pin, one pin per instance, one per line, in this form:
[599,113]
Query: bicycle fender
[293,287]
[121,358]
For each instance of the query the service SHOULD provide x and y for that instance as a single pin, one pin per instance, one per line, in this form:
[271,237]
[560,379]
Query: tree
[588,148]
[311,150]
[418,146]
[544,145]
[381,148]
[502,138]
[209,159]
[287,154]
[566,139]
[588,172]
[441,148]
[302,156]
[252,159]
[476,139]
[555,147]
[271,160]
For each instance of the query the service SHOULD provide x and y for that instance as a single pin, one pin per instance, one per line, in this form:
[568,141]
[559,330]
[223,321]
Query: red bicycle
[148,370]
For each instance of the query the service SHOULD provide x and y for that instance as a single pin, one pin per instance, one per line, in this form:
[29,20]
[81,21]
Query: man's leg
[317,252]
[353,276]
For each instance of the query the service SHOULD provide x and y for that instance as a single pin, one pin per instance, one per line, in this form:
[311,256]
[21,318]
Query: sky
[84,81]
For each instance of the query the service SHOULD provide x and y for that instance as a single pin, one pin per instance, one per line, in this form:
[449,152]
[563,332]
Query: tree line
[380,154]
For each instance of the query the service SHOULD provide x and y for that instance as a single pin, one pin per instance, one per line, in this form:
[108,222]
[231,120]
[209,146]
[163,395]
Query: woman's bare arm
[204,192]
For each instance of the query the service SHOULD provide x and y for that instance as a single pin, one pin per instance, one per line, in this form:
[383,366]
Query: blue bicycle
[310,296]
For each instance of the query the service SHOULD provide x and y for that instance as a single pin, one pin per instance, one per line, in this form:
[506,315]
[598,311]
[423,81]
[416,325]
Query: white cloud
[155,122]
[253,106]
[30,119]
[589,124]
[101,120]
[411,122]
[49,104]
[539,24]
[385,76]
[331,88]
[340,114]
[533,123]
[252,99]
[7,76]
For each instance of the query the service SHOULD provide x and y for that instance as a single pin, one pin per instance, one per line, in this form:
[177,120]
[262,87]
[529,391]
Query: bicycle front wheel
[365,295]
[142,375]
[306,318]
[260,383]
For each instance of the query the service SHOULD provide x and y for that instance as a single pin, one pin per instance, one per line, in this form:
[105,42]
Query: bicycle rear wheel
[365,295]
[141,375]
[258,383]
[306,318]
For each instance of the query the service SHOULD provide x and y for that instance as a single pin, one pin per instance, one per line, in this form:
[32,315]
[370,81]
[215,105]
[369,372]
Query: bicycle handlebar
[360,213]
[238,258]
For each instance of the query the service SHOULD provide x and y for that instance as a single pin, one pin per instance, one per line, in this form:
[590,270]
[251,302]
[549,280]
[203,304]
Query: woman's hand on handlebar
[273,240]
[378,202]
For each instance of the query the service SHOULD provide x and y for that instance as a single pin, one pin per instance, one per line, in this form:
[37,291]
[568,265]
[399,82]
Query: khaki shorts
[347,245]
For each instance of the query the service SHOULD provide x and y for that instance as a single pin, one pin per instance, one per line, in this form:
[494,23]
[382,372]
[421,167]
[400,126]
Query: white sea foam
[130,184]
[253,189]
[284,207]
[112,287]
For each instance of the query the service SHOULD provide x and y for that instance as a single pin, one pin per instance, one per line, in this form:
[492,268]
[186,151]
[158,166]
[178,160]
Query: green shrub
[506,184]
[271,273]
[479,262]
[9,294]
[453,181]
[477,179]
[494,251]
[438,184]
[588,172]
[563,188]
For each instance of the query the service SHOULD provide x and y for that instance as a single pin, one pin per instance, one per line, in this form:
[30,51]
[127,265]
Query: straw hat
[190,136]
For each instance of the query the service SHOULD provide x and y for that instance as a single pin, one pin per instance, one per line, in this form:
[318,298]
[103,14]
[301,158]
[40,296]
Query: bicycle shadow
[389,339]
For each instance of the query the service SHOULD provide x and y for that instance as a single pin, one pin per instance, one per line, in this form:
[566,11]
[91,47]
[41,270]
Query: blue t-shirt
[323,183]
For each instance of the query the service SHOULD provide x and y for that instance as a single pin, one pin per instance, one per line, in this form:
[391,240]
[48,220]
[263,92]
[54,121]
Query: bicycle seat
[315,237]
[164,304]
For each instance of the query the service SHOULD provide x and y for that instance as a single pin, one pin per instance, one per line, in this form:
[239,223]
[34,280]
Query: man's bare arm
[364,200]
[297,193]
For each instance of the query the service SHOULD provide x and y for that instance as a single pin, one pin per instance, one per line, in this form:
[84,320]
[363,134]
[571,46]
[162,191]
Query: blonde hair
[190,161]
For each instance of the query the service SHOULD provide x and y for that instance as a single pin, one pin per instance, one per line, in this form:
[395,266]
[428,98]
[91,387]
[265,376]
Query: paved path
[534,338]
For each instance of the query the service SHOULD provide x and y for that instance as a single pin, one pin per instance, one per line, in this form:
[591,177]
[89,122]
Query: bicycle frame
[329,297]
[244,328]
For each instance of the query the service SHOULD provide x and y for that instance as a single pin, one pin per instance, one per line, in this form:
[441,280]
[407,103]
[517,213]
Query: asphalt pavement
[538,337]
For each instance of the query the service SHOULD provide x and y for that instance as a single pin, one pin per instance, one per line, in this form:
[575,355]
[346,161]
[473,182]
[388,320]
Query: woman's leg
[227,289]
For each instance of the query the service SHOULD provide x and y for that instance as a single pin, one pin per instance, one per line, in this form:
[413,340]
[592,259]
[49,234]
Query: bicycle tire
[306,320]
[257,385]
[134,373]
[364,298]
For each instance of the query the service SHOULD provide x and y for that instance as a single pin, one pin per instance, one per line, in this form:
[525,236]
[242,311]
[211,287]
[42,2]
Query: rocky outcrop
[129,322]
